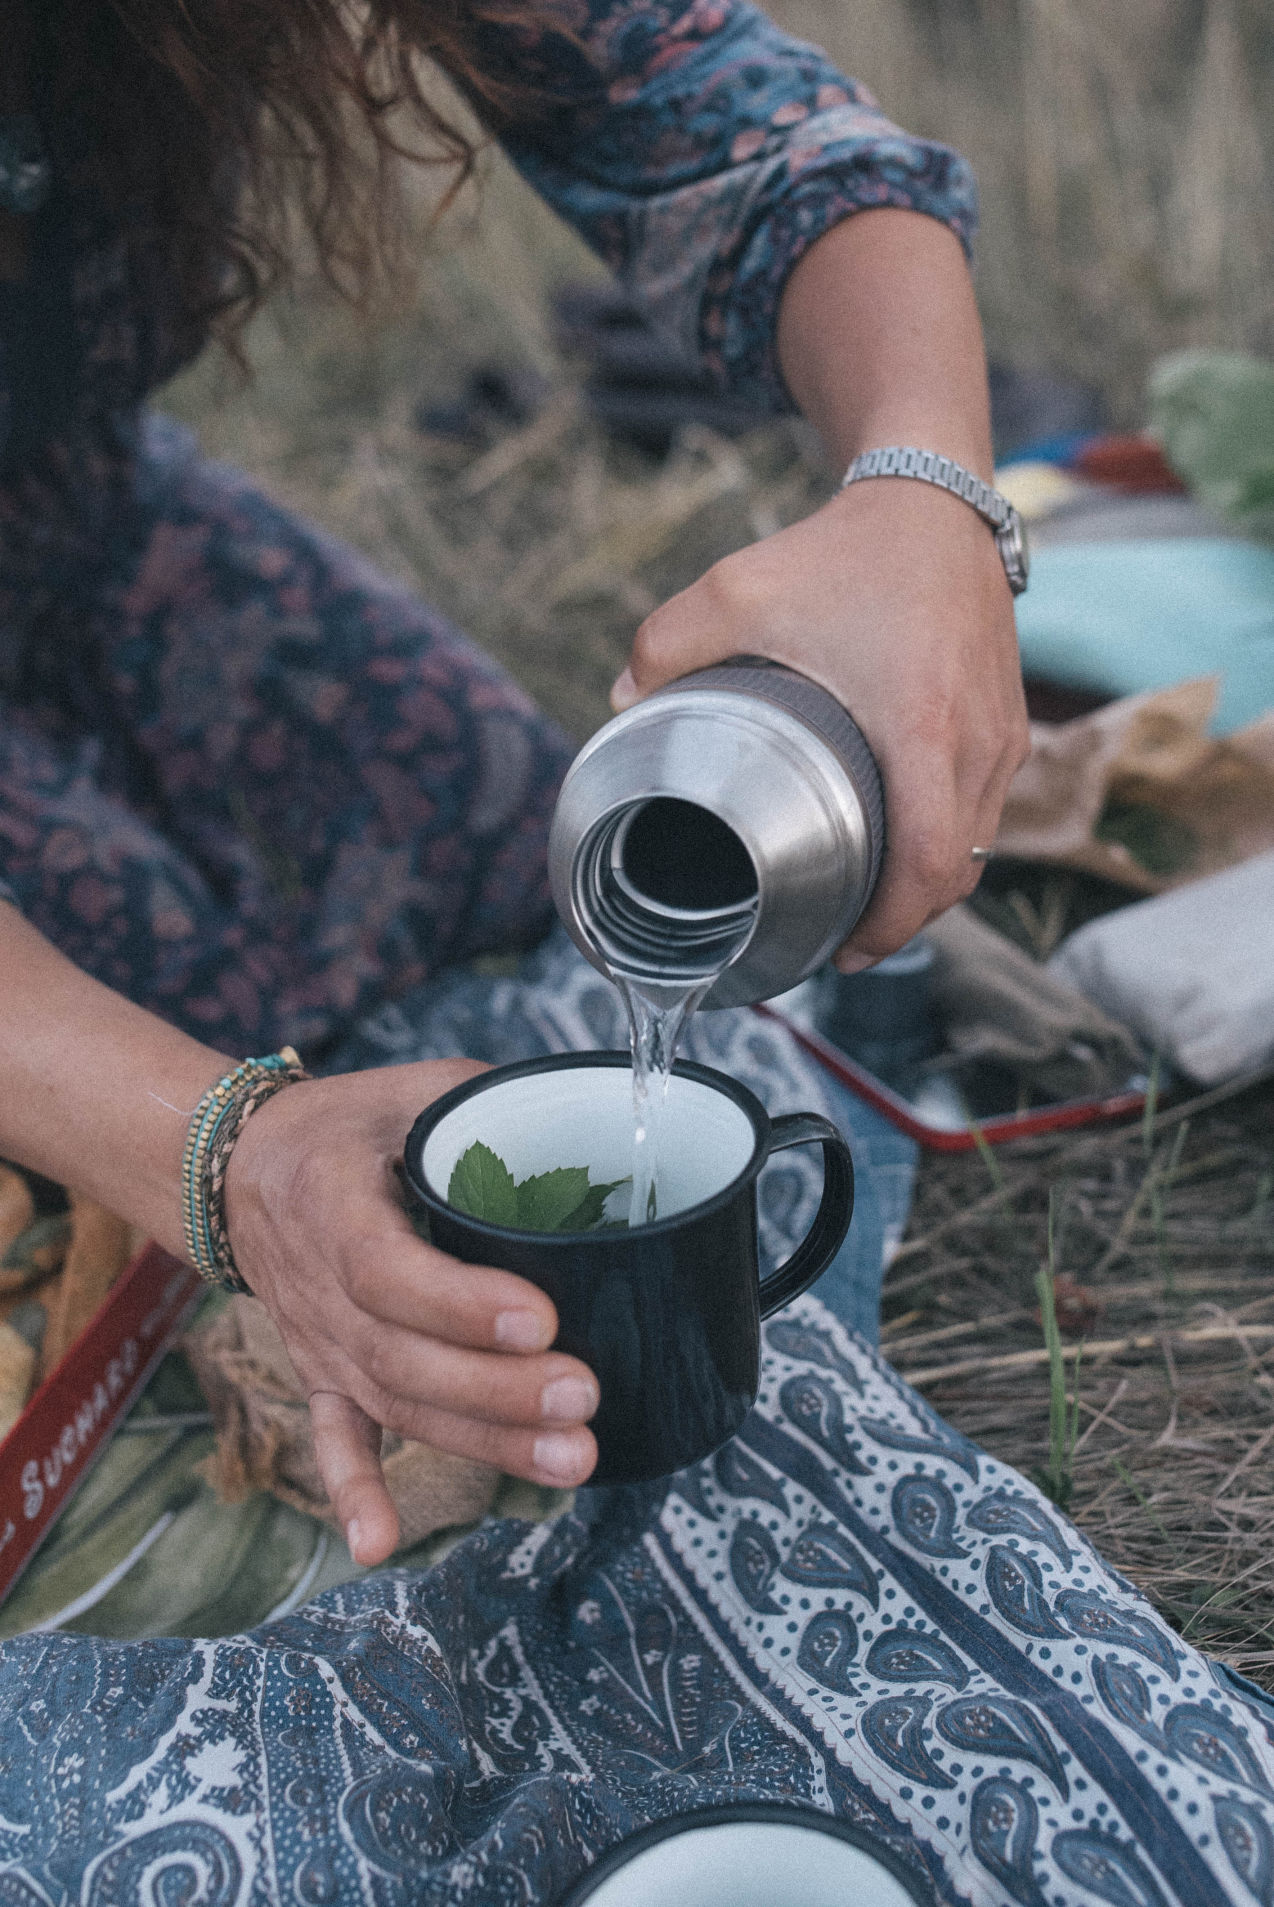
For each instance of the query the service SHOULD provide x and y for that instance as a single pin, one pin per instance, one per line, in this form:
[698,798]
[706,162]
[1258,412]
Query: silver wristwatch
[926,465]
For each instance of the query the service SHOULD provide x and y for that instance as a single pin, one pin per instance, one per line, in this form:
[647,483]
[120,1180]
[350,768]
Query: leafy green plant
[482,1185]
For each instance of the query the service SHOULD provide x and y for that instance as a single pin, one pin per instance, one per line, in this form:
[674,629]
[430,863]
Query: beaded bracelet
[215,1124]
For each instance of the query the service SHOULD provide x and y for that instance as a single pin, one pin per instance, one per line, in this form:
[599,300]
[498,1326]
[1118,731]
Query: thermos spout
[729,830]
[665,890]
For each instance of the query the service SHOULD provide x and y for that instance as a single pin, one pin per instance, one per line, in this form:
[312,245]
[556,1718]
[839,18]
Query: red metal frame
[68,1422]
[900,1112]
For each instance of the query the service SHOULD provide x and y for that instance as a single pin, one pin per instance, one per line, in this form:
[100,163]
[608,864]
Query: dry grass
[1126,159]
[547,548]
[1163,1263]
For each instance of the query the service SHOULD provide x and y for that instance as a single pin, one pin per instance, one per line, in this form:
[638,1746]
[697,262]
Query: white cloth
[1191,971]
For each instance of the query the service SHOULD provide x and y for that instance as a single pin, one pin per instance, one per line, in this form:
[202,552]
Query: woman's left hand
[894,598]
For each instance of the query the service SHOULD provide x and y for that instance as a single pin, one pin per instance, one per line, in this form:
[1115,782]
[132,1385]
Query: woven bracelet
[215,1124]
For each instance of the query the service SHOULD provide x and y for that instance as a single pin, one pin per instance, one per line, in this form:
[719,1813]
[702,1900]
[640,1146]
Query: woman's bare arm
[94,1092]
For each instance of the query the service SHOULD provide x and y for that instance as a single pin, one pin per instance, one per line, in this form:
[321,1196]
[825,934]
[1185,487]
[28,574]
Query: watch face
[1011,537]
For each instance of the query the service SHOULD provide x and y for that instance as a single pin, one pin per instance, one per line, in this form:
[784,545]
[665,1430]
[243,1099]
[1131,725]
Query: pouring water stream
[656,1019]
[686,893]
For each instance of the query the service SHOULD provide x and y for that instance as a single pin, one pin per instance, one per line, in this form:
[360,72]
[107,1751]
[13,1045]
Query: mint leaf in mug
[482,1185]
[589,1213]
[547,1201]
[558,1201]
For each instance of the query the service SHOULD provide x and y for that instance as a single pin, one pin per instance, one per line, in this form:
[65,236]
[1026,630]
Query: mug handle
[835,1209]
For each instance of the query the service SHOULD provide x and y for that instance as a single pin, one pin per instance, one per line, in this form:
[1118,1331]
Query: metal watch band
[899,460]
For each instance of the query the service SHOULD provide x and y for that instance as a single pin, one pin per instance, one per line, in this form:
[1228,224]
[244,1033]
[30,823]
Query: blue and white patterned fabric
[849,1608]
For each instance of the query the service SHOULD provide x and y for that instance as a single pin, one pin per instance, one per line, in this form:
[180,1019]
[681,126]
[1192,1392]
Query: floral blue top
[713,152]
[697,148]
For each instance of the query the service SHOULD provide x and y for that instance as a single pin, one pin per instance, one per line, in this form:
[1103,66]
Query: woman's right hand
[383,1330]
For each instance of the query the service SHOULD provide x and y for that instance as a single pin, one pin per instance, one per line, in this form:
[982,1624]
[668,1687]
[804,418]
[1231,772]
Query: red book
[69,1420]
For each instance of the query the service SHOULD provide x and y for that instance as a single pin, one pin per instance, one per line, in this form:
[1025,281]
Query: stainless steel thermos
[730,824]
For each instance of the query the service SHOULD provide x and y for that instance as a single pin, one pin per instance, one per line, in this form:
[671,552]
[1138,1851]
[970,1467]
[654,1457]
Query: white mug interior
[583,1115]
[751,1864]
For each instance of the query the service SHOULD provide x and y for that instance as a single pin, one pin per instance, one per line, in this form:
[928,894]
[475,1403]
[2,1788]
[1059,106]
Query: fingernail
[557,1457]
[520,1331]
[568,1399]
[624,692]
[353,1536]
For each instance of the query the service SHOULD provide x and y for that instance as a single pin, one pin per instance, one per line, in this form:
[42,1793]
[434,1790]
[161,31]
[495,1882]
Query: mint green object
[1213,412]
[1126,617]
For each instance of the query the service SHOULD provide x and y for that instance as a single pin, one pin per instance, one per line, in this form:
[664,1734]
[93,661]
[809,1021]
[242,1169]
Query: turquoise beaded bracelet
[214,1126]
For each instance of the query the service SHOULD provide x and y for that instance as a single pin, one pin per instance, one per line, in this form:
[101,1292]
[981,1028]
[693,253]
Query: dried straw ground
[1128,186]
[1163,1261]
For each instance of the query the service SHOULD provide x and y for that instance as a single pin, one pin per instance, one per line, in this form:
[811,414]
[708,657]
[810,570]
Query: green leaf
[558,1201]
[482,1185]
[547,1200]
[587,1215]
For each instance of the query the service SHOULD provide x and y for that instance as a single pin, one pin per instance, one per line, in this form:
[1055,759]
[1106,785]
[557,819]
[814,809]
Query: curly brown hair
[225,124]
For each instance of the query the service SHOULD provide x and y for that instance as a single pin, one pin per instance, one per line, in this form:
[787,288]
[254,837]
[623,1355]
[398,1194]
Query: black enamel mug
[666,1315]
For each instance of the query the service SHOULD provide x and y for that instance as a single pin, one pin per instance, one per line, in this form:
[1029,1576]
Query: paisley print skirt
[848,1609]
